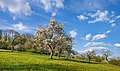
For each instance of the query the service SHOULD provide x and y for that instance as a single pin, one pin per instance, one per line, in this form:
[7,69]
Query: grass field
[23,61]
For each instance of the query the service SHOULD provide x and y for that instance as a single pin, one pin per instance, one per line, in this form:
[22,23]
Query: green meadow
[24,61]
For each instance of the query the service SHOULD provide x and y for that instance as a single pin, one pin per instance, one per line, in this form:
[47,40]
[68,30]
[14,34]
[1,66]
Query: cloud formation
[96,49]
[114,24]
[52,5]
[16,6]
[117,45]
[96,44]
[87,37]
[20,26]
[93,49]
[109,31]
[82,17]
[99,36]
[100,16]
[73,33]
[101,44]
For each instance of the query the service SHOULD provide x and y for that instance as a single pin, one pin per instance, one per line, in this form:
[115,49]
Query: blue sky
[94,24]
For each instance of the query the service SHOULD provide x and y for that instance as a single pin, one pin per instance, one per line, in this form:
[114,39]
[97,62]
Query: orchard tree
[9,36]
[106,54]
[90,54]
[53,37]
[13,35]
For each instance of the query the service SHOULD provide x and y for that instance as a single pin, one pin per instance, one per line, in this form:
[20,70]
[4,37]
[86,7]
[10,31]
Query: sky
[94,24]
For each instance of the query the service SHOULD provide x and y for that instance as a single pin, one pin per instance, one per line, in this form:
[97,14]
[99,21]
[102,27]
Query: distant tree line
[50,39]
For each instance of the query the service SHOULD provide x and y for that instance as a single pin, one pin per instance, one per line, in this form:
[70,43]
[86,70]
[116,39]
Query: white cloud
[111,21]
[52,5]
[117,17]
[113,24]
[47,4]
[117,45]
[81,52]
[96,44]
[99,16]
[16,6]
[96,49]
[20,26]
[87,37]
[53,14]
[82,17]
[93,49]
[100,44]
[73,33]
[109,31]
[99,36]
[93,44]
[113,14]
[14,17]
[90,50]
[99,48]
[59,3]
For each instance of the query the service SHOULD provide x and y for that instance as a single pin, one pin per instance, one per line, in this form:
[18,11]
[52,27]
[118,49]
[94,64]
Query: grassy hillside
[22,61]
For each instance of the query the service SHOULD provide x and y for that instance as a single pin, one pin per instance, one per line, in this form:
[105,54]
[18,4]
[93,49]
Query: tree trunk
[12,48]
[67,55]
[51,51]
[59,54]
[106,60]
[51,54]
[89,60]
[12,45]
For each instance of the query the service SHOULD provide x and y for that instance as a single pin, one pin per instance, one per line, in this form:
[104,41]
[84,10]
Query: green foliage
[115,61]
[3,44]
[23,61]
[19,40]
[98,58]
[19,48]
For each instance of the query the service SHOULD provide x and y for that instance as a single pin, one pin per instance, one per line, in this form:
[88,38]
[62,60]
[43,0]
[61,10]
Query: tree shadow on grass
[37,67]
[3,50]
[74,60]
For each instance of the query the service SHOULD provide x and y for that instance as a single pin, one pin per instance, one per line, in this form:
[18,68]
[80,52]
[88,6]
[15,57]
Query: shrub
[28,46]
[19,47]
[3,44]
[115,61]
[98,58]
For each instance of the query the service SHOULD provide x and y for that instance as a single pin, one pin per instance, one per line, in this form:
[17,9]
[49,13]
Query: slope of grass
[23,61]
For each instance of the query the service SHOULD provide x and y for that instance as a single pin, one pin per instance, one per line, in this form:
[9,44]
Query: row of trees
[92,54]
[97,56]
[11,38]
[50,39]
